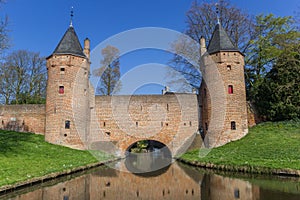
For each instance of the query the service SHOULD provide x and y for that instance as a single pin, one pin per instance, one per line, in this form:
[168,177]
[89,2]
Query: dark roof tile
[220,41]
[69,44]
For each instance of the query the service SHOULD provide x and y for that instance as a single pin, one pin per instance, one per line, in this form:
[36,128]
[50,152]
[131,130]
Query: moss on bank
[269,146]
[24,156]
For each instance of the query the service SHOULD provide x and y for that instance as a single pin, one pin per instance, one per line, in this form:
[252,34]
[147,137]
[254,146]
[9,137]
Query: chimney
[202,46]
[167,89]
[194,90]
[86,49]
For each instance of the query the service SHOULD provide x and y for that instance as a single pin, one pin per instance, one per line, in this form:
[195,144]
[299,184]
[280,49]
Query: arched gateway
[78,119]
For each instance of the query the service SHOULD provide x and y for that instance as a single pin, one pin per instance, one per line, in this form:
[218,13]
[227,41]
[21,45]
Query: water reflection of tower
[214,187]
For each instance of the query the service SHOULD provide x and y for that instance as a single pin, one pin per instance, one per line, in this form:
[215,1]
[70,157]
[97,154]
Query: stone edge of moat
[37,180]
[243,169]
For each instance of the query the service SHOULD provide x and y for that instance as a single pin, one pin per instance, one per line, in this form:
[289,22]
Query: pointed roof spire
[217,12]
[72,14]
[220,41]
[69,44]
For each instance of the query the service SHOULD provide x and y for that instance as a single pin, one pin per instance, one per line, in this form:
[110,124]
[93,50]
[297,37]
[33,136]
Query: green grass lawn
[269,145]
[26,155]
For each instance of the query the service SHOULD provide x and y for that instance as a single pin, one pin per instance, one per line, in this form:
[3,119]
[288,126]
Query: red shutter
[230,89]
[61,90]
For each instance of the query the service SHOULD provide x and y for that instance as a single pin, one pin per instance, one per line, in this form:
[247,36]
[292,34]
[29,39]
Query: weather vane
[72,14]
[217,11]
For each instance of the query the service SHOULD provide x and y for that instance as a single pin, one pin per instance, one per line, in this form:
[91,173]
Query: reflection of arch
[152,144]
[154,161]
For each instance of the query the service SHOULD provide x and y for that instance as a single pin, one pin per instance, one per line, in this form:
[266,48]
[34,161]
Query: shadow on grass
[12,142]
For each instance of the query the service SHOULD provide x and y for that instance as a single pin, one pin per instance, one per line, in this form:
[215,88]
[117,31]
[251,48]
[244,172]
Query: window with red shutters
[230,89]
[61,90]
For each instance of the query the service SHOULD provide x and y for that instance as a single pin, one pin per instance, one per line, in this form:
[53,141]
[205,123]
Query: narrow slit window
[237,193]
[136,124]
[204,91]
[206,126]
[61,90]
[230,89]
[104,124]
[233,125]
[167,107]
[67,124]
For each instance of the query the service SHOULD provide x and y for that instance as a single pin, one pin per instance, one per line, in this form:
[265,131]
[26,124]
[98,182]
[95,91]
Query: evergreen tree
[273,36]
[278,96]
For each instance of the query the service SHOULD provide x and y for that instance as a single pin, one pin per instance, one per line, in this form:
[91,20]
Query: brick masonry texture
[78,119]
[219,108]
[23,118]
[72,105]
[171,119]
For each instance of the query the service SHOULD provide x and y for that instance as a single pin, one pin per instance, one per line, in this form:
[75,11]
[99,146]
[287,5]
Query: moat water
[176,181]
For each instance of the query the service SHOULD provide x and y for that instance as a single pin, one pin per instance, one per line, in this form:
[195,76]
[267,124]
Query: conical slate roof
[69,44]
[220,41]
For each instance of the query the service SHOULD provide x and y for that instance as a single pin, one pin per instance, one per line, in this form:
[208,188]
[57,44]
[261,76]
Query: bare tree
[186,62]
[7,77]
[4,39]
[23,78]
[201,20]
[109,72]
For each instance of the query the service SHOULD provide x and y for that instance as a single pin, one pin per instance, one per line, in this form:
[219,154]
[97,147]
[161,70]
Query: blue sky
[38,25]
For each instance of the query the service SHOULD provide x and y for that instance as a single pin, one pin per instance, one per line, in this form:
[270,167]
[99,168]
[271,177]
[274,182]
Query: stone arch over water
[147,156]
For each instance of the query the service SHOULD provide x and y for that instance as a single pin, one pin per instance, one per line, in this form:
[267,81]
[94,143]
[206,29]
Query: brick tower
[222,93]
[67,102]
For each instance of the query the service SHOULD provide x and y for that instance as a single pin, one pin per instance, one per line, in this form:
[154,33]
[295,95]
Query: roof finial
[217,11]
[72,14]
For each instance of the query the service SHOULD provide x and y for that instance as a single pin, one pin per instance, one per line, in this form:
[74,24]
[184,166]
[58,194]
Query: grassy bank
[267,146]
[24,156]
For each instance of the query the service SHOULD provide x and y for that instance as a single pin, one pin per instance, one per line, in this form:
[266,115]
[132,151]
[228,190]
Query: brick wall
[171,119]
[72,105]
[23,118]
[219,108]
